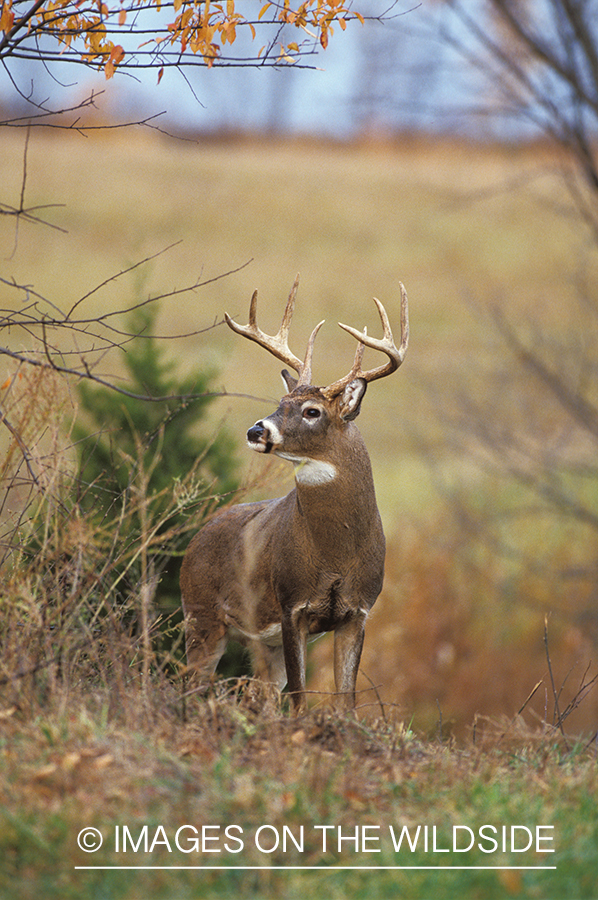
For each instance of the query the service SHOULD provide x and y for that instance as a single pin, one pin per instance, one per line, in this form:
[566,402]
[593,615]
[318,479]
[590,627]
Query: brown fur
[310,562]
[275,573]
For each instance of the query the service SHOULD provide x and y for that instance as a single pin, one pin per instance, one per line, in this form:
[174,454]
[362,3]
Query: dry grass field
[459,225]
[479,557]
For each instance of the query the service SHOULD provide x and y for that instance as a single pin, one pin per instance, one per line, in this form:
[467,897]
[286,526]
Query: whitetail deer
[274,573]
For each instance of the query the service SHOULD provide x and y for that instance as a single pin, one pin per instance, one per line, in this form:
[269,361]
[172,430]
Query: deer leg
[269,665]
[269,668]
[294,642]
[204,647]
[348,643]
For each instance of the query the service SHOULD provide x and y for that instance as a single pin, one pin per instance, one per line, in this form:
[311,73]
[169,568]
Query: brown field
[463,227]
[490,581]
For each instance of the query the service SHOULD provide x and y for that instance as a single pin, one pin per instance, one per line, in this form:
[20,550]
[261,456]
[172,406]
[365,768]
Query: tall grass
[78,594]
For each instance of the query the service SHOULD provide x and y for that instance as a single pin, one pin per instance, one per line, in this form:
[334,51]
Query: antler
[278,344]
[279,347]
[386,344]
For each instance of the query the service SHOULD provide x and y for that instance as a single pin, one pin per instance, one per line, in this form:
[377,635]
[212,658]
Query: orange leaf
[117,54]
[7,18]
[160,73]
[122,17]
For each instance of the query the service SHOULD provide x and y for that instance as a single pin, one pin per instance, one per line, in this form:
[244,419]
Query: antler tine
[276,344]
[283,331]
[385,344]
[305,374]
[252,312]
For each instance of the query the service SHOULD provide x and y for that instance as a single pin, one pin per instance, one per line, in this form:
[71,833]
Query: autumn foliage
[110,34]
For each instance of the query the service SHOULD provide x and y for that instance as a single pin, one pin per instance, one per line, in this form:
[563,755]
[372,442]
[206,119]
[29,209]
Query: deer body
[275,573]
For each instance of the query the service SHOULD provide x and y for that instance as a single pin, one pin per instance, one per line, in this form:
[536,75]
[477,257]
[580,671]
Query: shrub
[130,446]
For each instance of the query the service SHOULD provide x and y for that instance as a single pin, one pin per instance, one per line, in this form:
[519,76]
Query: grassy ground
[101,737]
[231,766]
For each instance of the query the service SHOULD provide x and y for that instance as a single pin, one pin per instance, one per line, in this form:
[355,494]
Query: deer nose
[256,432]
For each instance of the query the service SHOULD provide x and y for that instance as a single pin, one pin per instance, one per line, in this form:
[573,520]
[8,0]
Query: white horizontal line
[322,868]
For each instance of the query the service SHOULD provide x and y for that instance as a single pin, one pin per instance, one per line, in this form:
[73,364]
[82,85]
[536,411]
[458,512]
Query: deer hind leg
[348,644]
[268,664]
[270,674]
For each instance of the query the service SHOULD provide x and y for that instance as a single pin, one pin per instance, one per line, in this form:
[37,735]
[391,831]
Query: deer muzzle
[263,437]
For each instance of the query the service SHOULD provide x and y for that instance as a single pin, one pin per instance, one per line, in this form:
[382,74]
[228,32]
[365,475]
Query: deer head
[308,412]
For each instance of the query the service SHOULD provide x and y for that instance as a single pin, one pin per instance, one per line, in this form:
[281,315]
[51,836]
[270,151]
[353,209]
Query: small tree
[129,445]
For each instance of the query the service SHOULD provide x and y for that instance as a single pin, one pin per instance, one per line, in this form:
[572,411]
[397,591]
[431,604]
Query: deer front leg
[348,643]
[294,642]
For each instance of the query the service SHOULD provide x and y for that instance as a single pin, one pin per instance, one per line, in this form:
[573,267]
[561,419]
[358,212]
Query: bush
[127,446]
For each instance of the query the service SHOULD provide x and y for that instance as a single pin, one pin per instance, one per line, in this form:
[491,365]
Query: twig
[31,320]
[559,720]
[439,726]
[22,447]
[377,693]
[520,710]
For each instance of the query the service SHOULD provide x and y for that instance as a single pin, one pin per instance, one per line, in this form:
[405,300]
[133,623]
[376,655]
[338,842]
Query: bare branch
[99,328]
[571,399]
[22,447]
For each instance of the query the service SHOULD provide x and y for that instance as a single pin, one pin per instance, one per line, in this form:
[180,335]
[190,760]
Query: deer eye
[312,412]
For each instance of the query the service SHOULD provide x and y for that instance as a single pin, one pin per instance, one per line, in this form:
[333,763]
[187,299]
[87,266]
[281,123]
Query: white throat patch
[311,471]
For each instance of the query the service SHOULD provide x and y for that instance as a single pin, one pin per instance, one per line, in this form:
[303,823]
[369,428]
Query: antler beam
[385,344]
[278,344]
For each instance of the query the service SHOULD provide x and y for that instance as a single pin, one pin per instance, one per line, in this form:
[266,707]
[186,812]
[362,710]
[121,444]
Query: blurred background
[447,145]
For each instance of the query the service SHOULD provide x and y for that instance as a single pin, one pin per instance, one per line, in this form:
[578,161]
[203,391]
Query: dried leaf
[44,772]
[103,761]
[70,761]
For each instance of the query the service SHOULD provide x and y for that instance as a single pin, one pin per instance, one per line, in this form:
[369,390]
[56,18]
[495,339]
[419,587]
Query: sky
[390,74]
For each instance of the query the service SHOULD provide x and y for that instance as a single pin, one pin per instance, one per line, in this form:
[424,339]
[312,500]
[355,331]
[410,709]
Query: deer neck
[335,493]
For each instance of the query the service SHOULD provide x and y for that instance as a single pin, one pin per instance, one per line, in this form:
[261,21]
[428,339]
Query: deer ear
[289,382]
[351,397]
